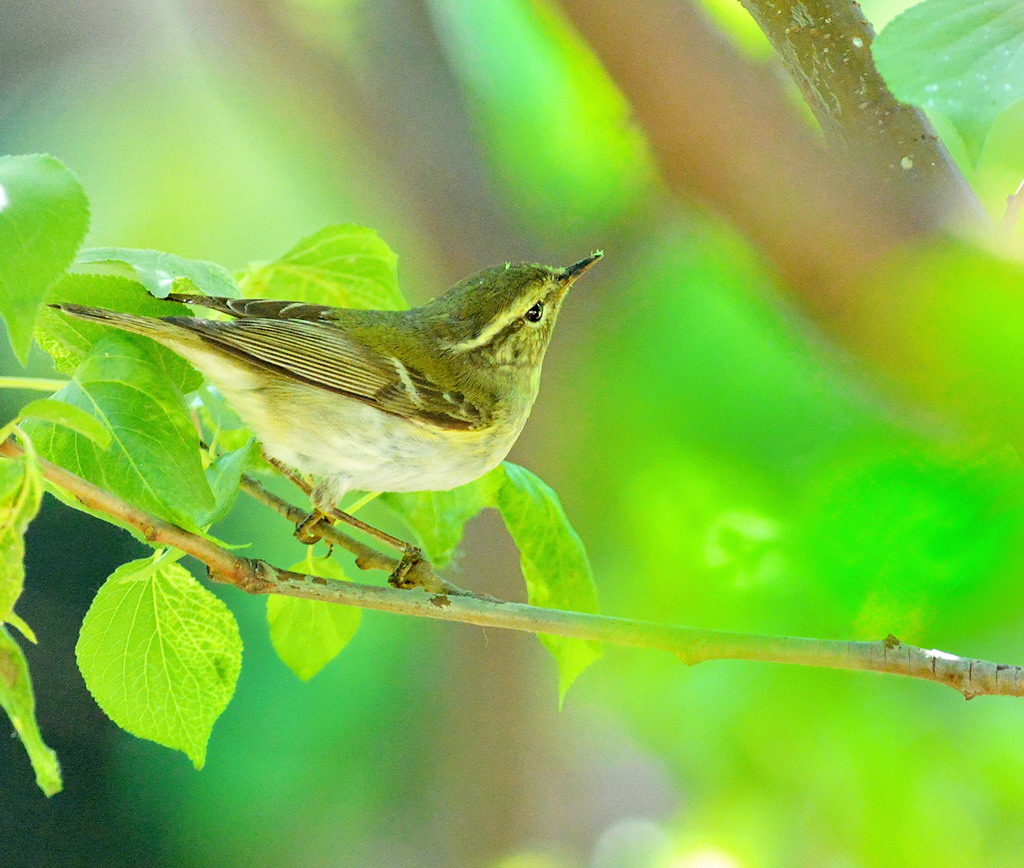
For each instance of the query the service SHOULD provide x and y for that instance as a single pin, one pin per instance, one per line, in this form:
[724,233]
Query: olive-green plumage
[421,399]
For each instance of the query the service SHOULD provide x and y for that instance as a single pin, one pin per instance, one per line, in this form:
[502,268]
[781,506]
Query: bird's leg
[305,530]
[323,498]
[287,472]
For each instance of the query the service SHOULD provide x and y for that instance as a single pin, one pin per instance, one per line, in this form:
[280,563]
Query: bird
[422,399]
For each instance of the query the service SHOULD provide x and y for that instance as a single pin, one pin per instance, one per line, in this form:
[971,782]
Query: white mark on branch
[801,17]
[1014,207]
[941,655]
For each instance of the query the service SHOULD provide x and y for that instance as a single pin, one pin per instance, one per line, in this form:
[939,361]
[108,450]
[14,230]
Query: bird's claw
[306,530]
[411,556]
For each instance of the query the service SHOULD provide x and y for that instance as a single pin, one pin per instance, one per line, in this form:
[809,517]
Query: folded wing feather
[321,355]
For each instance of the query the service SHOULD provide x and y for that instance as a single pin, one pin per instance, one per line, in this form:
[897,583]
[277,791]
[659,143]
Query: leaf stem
[357,505]
[971,677]
[35,384]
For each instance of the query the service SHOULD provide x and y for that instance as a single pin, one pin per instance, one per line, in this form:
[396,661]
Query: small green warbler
[371,400]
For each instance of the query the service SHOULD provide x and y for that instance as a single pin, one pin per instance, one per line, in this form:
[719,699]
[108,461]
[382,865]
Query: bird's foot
[400,578]
[306,530]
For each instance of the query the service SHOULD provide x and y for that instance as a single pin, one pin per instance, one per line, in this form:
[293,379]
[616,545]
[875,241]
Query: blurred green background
[723,465]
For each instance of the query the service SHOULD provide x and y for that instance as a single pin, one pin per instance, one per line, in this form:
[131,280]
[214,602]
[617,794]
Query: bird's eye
[535,313]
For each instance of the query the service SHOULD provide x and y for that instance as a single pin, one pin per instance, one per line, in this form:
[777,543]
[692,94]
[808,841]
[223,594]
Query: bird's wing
[324,356]
[265,308]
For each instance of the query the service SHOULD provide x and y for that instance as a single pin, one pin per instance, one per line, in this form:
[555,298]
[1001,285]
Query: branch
[968,676]
[826,47]
[225,565]
[724,130]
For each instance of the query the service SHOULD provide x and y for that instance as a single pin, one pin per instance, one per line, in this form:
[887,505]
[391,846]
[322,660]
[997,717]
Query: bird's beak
[572,272]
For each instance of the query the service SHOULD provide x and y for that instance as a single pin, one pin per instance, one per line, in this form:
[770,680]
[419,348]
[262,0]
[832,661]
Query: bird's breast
[362,448]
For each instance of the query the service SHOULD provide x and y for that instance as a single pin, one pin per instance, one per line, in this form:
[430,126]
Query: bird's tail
[140,325]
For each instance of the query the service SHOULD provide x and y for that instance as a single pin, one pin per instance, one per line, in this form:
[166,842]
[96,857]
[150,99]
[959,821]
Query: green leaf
[21,491]
[153,460]
[18,700]
[221,425]
[162,273]
[308,634]
[160,655]
[552,557]
[554,563]
[68,339]
[342,266]
[43,218]
[438,518]
[68,415]
[963,59]
[224,474]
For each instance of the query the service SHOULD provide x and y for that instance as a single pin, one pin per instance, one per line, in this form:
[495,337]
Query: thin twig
[970,677]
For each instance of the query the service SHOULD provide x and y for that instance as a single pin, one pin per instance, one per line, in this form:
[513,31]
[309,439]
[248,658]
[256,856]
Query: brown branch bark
[826,47]
[724,130]
[969,676]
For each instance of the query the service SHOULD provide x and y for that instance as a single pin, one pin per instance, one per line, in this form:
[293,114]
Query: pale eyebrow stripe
[495,326]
